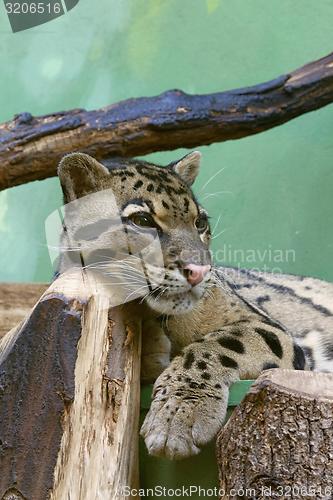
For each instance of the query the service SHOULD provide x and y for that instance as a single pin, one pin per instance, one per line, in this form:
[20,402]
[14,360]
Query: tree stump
[279,442]
[69,397]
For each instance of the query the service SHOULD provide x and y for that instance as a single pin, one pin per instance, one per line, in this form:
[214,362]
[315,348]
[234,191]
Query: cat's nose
[195,274]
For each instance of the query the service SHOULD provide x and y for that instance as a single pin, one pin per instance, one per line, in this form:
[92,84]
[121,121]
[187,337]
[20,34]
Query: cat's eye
[142,219]
[201,223]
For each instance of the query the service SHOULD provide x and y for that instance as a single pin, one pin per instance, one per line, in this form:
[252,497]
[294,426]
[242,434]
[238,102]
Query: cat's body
[221,324]
[302,305]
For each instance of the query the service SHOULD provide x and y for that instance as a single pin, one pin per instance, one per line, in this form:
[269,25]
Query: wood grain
[16,301]
[279,440]
[70,396]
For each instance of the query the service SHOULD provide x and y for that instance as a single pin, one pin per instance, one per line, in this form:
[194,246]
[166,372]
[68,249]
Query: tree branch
[31,147]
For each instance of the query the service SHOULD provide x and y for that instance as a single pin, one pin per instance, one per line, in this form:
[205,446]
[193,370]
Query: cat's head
[140,225]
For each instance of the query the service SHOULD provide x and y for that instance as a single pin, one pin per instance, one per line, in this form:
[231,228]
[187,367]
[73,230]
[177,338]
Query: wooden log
[16,301]
[69,397]
[31,147]
[279,442]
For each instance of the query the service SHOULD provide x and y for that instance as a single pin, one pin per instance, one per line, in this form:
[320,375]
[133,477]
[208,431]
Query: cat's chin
[179,303]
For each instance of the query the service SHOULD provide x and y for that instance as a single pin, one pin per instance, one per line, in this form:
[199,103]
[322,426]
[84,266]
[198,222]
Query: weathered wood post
[69,397]
[279,442]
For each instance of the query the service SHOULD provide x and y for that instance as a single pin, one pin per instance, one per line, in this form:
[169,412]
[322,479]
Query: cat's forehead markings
[166,192]
[160,180]
[152,178]
[138,184]
[151,206]
[165,205]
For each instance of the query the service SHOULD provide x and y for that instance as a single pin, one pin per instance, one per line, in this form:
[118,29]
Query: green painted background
[277,186]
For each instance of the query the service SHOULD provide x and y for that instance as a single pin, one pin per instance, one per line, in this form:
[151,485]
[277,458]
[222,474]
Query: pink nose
[195,274]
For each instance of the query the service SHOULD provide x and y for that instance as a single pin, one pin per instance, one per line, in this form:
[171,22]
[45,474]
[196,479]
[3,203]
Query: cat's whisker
[135,291]
[211,179]
[219,234]
[161,292]
[216,224]
[64,249]
[210,195]
[123,272]
[150,292]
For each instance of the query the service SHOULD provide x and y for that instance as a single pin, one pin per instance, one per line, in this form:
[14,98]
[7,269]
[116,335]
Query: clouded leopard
[218,324]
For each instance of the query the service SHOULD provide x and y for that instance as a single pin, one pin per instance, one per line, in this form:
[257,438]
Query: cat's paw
[184,415]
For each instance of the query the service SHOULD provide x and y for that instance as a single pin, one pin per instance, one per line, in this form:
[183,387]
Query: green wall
[277,186]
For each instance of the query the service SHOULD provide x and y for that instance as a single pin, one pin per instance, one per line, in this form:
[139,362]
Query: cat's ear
[188,167]
[79,175]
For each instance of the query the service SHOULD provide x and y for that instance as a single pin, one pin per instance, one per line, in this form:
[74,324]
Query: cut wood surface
[279,442]
[31,147]
[16,301]
[69,397]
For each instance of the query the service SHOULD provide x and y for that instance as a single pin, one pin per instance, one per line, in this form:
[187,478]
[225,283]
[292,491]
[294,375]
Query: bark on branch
[278,442]
[31,147]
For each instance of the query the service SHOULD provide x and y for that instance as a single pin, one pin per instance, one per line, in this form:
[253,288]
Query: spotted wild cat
[218,324]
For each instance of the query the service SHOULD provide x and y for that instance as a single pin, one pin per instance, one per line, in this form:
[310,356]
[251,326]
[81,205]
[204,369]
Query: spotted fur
[231,325]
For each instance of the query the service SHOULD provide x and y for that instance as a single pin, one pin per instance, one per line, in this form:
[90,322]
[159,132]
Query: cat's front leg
[190,397]
[156,349]
[189,403]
